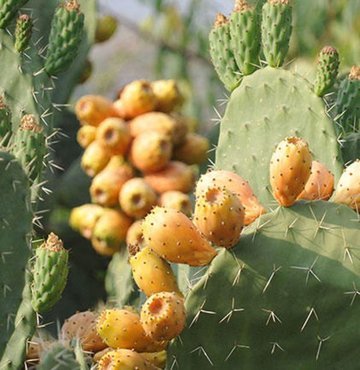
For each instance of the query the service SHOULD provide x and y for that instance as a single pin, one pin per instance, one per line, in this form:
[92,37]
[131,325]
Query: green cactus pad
[8,9]
[350,148]
[270,105]
[286,296]
[23,32]
[59,357]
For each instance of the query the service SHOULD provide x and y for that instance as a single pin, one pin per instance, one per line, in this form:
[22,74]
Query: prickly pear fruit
[5,121]
[84,218]
[107,184]
[93,109]
[86,72]
[348,189]
[36,347]
[86,135]
[134,235]
[167,94]
[23,32]
[8,9]
[290,168]
[137,198]
[163,316]
[219,216]
[95,158]
[114,134]
[176,200]
[106,26]
[156,358]
[320,184]
[110,231]
[194,150]
[327,70]
[235,184]
[151,151]
[82,326]
[50,271]
[175,238]
[175,176]
[151,273]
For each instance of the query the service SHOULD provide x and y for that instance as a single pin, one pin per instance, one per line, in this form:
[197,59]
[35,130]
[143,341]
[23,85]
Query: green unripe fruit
[23,32]
[5,120]
[105,28]
[8,9]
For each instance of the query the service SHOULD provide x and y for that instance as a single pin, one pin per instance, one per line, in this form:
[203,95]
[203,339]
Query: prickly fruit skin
[107,184]
[110,231]
[114,134]
[348,189]
[235,184]
[8,9]
[175,176]
[82,326]
[151,151]
[245,36]
[194,150]
[65,37]
[137,198]
[156,358]
[5,120]
[290,168]
[93,109]
[320,184]
[176,200]
[151,273]
[163,316]
[23,32]
[84,218]
[276,30]
[167,94]
[105,28]
[222,55]
[94,159]
[86,135]
[50,271]
[327,70]
[175,238]
[219,216]
[134,236]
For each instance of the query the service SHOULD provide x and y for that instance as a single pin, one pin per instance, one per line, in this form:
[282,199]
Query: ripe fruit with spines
[176,200]
[167,94]
[86,135]
[84,218]
[95,158]
[23,32]
[194,149]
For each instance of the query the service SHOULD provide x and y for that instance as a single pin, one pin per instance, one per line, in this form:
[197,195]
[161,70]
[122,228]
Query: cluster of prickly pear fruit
[140,152]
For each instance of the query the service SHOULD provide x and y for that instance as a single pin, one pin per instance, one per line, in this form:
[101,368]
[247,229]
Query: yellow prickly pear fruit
[348,188]
[86,135]
[320,184]
[175,238]
[93,109]
[167,94]
[151,151]
[137,198]
[194,150]
[151,273]
[156,358]
[94,159]
[176,200]
[114,134]
[163,316]
[175,176]
[290,168]
[84,218]
[107,184]
[110,232]
[134,235]
[219,216]
[235,184]
[82,326]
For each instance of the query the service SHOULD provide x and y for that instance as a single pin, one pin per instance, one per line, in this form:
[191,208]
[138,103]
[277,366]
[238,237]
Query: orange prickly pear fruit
[93,109]
[175,176]
[348,188]
[176,200]
[84,218]
[175,238]
[167,94]
[110,232]
[86,135]
[151,151]
[163,316]
[134,235]
[94,159]
[107,184]
[320,184]
[137,198]
[194,150]
[290,168]
[151,273]
[82,326]
[114,134]
[219,216]
[235,184]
